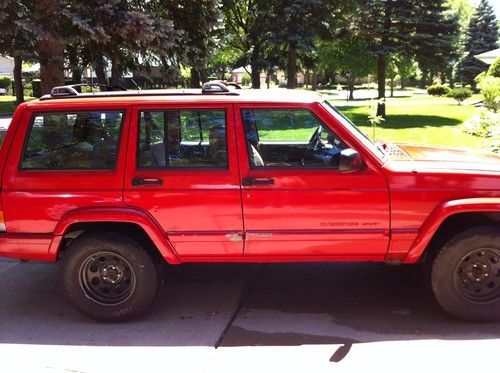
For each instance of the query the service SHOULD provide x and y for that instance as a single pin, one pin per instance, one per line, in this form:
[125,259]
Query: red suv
[113,184]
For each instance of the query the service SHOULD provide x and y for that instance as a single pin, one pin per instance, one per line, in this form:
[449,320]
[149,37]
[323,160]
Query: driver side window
[289,138]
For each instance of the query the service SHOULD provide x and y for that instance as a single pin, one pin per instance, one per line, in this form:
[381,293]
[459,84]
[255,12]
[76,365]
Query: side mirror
[350,161]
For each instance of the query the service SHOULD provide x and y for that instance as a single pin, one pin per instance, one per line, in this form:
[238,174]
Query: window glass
[182,139]
[84,140]
[290,138]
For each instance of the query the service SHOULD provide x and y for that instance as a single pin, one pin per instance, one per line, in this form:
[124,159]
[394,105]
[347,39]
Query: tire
[108,276]
[465,275]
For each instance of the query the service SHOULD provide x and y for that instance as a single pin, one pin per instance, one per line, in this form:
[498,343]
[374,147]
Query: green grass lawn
[8,104]
[419,120]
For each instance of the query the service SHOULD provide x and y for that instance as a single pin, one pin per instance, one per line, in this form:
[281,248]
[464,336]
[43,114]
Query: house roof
[489,57]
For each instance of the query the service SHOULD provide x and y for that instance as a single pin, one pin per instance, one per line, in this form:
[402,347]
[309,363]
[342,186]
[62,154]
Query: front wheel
[466,275]
[108,276]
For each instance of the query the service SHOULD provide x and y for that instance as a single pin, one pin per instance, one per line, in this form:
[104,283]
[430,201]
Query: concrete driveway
[245,318]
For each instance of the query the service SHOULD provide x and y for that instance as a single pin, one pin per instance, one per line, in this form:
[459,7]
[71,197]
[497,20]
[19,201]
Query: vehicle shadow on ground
[242,305]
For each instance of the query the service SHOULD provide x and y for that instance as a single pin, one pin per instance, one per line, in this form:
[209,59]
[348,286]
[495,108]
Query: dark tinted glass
[287,138]
[73,141]
[182,139]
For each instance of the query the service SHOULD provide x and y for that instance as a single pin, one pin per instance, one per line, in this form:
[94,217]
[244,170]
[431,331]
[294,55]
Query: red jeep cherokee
[114,183]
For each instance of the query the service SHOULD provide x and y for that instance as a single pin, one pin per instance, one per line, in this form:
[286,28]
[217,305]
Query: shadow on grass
[402,120]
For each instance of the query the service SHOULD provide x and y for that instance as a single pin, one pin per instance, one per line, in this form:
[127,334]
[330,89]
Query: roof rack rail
[73,90]
[214,86]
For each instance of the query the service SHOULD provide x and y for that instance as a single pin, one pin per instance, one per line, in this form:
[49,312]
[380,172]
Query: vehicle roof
[275,95]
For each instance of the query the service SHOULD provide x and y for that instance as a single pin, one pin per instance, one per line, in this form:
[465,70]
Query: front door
[185,174]
[296,202]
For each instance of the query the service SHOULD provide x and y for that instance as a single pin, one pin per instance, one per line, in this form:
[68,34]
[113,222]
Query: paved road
[291,317]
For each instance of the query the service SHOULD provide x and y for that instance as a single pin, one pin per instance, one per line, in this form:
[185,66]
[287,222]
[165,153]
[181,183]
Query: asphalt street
[315,317]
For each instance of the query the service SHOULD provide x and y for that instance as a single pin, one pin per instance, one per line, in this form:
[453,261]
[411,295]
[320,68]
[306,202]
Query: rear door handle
[249,181]
[136,181]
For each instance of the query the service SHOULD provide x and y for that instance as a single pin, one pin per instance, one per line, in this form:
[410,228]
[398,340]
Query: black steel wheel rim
[477,276]
[107,278]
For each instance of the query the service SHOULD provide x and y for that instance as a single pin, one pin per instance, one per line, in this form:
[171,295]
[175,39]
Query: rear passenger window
[83,140]
[182,139]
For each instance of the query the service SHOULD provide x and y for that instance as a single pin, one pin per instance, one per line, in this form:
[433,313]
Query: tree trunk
[116,71]
[203,75]
[195,78]
[350,84]
[50,47]
[392,86]
[381,69]
[255,77]
[256,65]
[100,71]
[292,67]
[76,75]
[314,85]
[402,82]
[423,79]
[450,78]
[18,79]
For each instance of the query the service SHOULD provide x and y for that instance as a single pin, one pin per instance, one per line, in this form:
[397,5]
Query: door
[184,172]
[296,202]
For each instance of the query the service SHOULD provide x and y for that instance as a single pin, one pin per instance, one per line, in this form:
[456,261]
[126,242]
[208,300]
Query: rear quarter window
[80,140]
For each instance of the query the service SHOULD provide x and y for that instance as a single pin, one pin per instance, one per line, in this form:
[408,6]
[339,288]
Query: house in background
[6,65]
[489,57]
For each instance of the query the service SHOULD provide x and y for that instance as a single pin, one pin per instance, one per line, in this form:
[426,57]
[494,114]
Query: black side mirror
[350,161]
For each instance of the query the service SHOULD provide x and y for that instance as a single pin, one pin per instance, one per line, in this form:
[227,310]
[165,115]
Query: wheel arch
[449,218]
[127,221]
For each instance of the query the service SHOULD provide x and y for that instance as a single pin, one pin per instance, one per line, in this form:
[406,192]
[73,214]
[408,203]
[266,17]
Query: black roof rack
[72,91]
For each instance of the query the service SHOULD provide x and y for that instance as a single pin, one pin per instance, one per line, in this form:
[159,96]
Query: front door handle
[249,181]
[136,181]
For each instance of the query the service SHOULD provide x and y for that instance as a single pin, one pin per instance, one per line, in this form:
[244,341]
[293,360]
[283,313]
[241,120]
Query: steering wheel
[315,143]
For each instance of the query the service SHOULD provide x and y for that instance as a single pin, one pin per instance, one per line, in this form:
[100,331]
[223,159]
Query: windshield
[351,127]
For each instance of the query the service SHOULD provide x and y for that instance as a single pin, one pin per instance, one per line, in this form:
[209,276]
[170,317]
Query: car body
[112,183]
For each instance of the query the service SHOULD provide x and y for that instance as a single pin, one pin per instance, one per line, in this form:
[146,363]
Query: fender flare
[440,214]
[116,215]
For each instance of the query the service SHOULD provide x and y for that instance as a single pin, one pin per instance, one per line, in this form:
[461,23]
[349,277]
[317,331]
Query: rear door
[296,202]
[182,168]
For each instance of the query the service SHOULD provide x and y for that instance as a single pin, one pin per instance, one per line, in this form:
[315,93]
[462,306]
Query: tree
[128,34]
[197,19]
[435,38]
[16,39]
[405,66]
[247,23]
[50,43]
[349,54]
[296,25]
[388,25]
[482,36]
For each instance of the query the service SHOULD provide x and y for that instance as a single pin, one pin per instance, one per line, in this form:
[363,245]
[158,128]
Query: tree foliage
[246,23]
[349,54]
[482,36]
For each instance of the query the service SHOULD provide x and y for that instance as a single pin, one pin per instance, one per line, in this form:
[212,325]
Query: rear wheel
[466,275]
[108,276]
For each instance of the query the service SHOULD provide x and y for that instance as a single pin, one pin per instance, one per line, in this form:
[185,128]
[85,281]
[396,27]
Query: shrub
[485,124]
[437,90]
[459,94]
[494,69]
[5,82]
[490,87]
